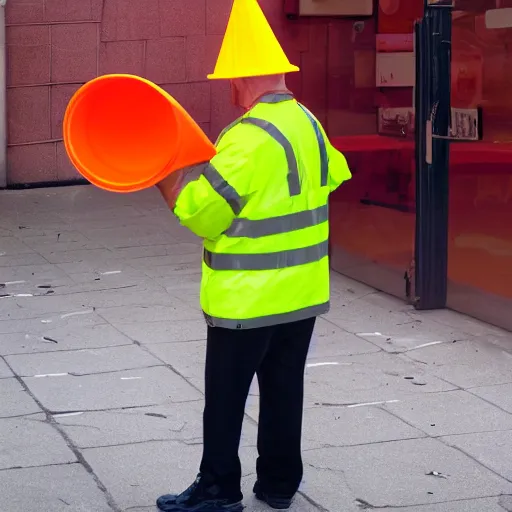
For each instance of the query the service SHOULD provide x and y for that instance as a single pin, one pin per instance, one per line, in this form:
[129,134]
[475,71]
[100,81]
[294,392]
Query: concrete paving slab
[52,488]
[328,489]
[462,322]
[87,255]
[387,302]
[13,246]
[137,474]
[33,307]
[500,395]
[395,474]
[506,503]
[480,505]
[105,296]
[82,362]
[15,400]
[330,340]
[64,338]
[335,426]
[103,220]
[130,295]
[70,277]
[142,314]
[155,220]
[398,328]
[37,286]
[393,365]
[188,358]
[44,323]
[106,280]
[150,251]
[199,384]
[31,273]
[184,286]
[453,412]
[107,287]
[46,245]
[30,441]
[185,236]
[56,239]
[30,226]
[155,300]
[367,378]
[5,372]
[346,312]
[342,286]
[422,333]
[502,340]
[403,344]
[344,426]
[15,260]
[467,364]
[192,364]
[111,277]
[252,504]
[128,236]
[180,422]
[33,222]
[131,388]
[173,273]
[155,266]
[492,449]
[300,503]
[109,212]
[165,332]
[97,267]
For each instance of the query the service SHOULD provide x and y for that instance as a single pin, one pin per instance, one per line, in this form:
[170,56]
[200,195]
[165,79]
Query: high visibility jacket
[261,206]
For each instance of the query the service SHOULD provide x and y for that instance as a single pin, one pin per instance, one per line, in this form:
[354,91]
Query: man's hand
[171,186]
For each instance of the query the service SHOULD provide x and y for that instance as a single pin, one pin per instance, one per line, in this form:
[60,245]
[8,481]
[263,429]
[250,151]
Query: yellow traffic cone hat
[250,47]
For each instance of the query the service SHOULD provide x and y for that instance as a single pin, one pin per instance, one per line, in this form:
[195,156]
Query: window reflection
[480,245]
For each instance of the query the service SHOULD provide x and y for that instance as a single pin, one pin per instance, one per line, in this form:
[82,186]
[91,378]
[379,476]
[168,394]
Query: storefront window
[480,222]
[372,123]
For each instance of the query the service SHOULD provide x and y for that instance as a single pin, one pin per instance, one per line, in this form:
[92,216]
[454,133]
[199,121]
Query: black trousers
[277,355]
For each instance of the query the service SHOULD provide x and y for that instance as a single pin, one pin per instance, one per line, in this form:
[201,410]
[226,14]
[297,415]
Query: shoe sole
[236,507]
[275,503]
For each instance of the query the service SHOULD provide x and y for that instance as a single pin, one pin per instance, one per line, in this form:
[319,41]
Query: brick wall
[54,46]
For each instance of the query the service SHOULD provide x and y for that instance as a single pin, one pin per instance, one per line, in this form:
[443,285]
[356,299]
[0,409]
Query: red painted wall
[54,46]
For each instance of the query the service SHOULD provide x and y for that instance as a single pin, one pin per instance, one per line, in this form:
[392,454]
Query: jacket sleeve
[208,204]
[338,167]
[337,163]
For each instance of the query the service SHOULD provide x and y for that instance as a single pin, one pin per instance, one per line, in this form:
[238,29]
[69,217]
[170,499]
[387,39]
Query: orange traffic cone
[123,133]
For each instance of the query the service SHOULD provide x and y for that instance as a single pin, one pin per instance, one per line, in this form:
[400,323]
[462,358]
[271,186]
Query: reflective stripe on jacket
[261,206]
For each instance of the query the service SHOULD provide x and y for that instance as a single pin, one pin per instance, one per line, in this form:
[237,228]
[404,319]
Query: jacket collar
[274,97]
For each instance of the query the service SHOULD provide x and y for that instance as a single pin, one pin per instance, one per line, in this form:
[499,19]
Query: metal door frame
[432,107]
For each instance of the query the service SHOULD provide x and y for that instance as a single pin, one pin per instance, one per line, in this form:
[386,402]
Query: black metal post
[433,58]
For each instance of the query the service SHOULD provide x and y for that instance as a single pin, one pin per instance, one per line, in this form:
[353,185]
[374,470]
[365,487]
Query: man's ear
[234,94]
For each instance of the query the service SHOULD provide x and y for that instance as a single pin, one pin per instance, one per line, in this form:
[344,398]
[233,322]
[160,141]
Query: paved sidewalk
[102,348]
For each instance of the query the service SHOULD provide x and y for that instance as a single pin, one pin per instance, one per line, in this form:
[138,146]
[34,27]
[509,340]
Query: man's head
[246,91]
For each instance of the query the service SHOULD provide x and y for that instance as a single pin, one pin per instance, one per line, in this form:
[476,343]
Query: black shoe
[275,501]
[199,497]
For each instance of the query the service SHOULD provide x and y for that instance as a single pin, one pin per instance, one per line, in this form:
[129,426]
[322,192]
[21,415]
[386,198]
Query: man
[261,207]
